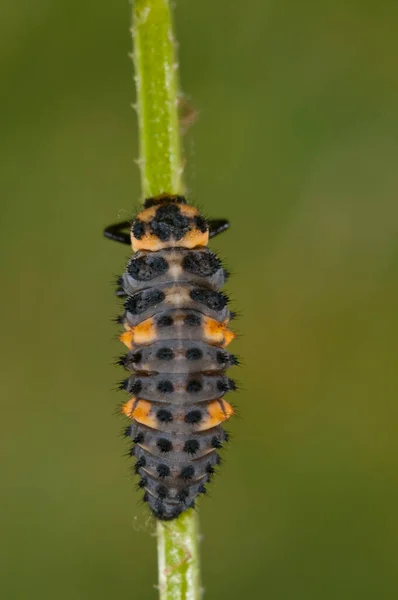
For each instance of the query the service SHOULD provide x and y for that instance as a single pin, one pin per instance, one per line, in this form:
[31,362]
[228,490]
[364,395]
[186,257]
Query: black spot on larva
[163,470]
[194,354]
[138,229]
[145,268]
[164,445]
[164,416]
[136,357]
[127,431]
[165,354]
[210,469]
[226,436]
[141,462]
[222,356]
[227,274]
[139,438]
[193,416]
[215,442]
[135,387]
[192,320]
[145,497]
[202,489]
[124,385]
[141,301]
[165,387]
[143,482]
[161,492]
[183,495]
[191,446]
[169,222]
[194,386]
[203,264]
[132,451]
[187,472]
[213,300]
[200,223]
[165,321]
[218,459]
[226,384]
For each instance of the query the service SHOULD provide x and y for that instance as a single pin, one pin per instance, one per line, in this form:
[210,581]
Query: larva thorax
[176,328]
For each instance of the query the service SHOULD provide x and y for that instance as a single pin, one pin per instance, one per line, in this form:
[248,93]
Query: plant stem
[156,78]
[178,557]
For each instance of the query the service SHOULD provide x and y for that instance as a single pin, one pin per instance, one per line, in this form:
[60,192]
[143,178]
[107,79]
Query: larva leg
[113,232]
[217,226]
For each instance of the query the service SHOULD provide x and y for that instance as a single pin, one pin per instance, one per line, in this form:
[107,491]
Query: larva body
[176,329]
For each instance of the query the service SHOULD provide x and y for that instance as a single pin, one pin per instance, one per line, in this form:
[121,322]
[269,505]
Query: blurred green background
[297,143]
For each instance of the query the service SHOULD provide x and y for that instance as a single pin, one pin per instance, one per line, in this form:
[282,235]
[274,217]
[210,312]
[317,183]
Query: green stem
[178,557]
[156,80]
[160,162]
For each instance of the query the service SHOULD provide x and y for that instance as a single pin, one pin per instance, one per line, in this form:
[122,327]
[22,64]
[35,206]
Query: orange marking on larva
[228,337]
[189,211]
[127,338]
[147,214]
[216,332]
[145,332]
[128,408]
[148,242]
[194,238]
[218,411]
[142,414]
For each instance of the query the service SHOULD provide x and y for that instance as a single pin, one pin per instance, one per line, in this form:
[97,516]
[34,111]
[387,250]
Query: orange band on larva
[127,338]
[150,242]
[218,411]
[144,333]
[128,407]
[217,333]
[142,414]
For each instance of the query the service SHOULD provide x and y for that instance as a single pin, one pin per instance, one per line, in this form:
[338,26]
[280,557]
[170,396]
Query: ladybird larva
[175,324]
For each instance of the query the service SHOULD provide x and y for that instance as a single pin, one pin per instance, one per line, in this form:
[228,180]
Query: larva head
[168,221]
